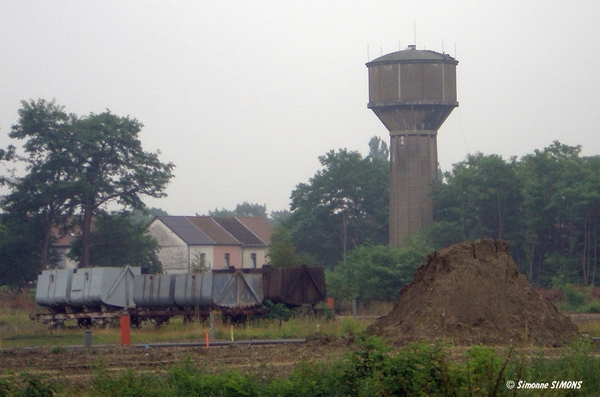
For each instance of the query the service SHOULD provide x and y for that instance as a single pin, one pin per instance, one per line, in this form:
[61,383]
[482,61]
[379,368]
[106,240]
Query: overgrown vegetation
[573,298]
[547,204]
[372,370]
[376,272]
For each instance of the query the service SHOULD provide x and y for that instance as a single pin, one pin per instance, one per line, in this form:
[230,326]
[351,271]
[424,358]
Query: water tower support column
[413,171]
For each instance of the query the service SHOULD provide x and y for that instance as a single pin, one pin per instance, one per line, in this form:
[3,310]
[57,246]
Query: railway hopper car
[90,295]
[294,286]
[98,295]
[234,292]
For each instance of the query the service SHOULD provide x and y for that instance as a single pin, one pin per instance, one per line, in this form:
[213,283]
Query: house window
[227,264]
[253,257]
[202,259]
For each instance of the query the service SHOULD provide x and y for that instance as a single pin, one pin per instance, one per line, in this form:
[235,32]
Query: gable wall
[174,254]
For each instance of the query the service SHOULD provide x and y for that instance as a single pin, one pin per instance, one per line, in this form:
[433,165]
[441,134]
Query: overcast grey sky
[243,96]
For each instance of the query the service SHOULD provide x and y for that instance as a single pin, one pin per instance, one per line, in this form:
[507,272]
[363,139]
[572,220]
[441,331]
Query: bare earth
[472,293]
[77,366]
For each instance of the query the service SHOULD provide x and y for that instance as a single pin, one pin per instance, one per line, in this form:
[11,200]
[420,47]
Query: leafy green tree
[561,207]
[96,159]
[20,253]
[244,209]
[377,272]
[44,192]
[282,252]
[117,240]
[278,217]
[547,205]
[145,216]
[343,206]
[378,149]
[482,195]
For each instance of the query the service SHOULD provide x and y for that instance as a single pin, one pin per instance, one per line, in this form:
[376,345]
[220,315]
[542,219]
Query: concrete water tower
[412,92]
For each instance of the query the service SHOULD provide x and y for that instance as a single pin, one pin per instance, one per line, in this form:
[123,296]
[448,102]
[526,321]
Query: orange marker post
[207,339]
[330,303]
[125,330]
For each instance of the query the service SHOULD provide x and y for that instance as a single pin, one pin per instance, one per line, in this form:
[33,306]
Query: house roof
[238,230]
[186,230]
[258,226]
[214,230]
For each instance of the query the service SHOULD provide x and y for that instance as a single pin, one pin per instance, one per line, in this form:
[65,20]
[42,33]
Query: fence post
[87,338]
[125,330]
[211,317]
[330,303]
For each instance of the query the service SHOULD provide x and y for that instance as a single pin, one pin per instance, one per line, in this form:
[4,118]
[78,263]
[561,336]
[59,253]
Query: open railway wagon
[96,296]
[236,293]
[92,296]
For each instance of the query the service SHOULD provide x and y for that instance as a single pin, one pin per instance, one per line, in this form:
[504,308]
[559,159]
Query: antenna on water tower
[415,32]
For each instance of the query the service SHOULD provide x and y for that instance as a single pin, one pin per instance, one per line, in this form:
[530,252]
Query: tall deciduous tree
[344,205]
[43,195]
[97,159]
[562,207]
[244,209]
[118,240]
[547,205]
[482,196]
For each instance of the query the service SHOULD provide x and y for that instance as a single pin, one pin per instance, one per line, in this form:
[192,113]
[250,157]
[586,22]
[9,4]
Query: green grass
[19,331]
[373,369]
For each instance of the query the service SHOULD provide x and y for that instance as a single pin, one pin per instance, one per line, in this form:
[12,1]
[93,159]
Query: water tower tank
[412,92]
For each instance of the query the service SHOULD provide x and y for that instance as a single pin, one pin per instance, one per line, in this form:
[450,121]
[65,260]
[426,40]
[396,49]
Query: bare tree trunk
[500,226]
[584,261]
[344,234]
[531,255]
[85,235]
[46,245]
[595,250]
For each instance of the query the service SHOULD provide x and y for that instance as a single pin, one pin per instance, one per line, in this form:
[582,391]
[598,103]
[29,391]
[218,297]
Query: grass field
[367,367]
[17,330]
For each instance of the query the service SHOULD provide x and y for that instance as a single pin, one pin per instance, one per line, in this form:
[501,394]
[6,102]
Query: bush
[28,385]
[419,369]
[592,307]
[376,272]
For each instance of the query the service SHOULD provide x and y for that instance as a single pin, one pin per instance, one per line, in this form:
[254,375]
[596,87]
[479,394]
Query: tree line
[546,203]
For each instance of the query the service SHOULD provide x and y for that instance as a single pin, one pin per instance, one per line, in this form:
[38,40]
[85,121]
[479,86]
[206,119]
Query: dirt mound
[472,293]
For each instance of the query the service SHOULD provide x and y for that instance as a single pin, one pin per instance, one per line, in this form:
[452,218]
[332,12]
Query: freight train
[98,295]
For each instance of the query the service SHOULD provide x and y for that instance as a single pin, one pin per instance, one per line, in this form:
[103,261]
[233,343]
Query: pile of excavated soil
[472,293]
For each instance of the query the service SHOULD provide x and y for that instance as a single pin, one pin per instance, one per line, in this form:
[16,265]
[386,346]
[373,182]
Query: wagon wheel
[160,320]
[136,322]
[84,322]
